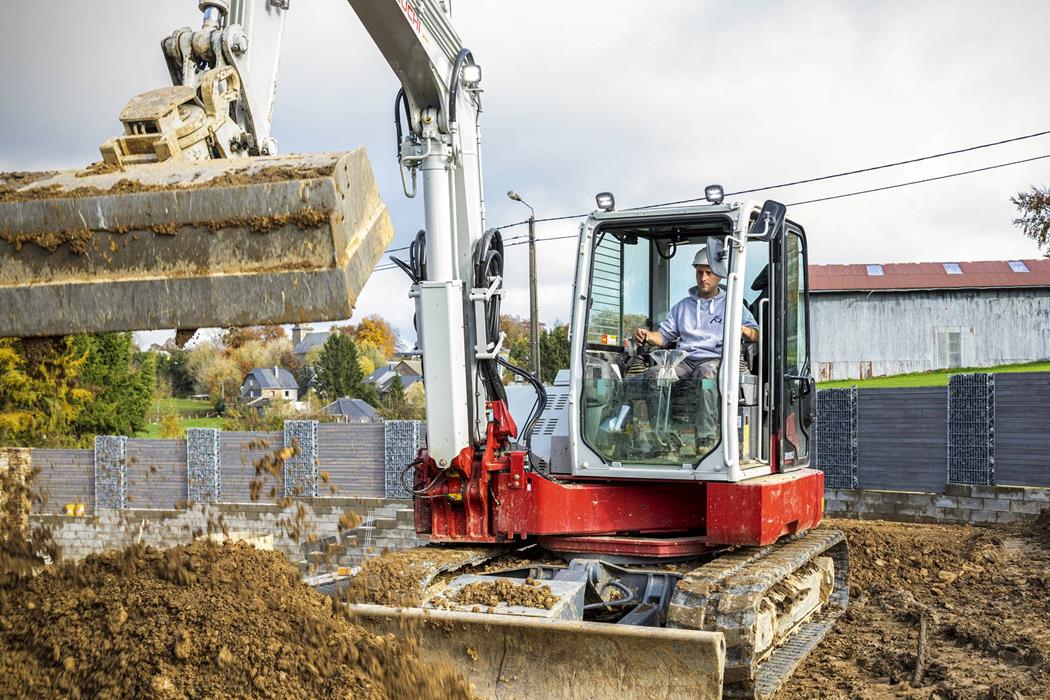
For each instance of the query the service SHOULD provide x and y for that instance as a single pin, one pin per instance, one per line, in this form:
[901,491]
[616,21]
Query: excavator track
[773,604]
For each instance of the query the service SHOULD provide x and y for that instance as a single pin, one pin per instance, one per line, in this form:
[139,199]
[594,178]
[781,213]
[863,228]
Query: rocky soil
[982,596]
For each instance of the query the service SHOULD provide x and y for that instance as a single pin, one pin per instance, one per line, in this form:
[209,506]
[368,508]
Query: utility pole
[534,313]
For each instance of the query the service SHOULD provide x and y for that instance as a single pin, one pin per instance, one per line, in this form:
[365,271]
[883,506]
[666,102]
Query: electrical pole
[534,312]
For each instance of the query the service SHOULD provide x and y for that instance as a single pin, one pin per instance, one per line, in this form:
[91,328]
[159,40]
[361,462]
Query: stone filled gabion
[971,429]
[111,471]
[300,469]
[203,470]
[401,441]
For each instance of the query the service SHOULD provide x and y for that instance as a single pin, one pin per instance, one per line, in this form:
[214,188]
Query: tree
[39,394]
[338,371]
[393,405]
[169,426]
[375,331]
[554,352]
[172,368]
[234,338]
[1034,221]
[121,382]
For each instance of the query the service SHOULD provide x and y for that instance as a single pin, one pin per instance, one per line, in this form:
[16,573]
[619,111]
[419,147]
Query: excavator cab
[670,412]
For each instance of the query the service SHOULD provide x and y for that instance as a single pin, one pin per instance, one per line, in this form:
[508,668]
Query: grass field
[192,413]
[939,378]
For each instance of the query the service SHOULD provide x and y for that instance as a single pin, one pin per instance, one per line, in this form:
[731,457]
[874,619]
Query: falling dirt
[401,578]
[984,594]
[530,593]
[199,620]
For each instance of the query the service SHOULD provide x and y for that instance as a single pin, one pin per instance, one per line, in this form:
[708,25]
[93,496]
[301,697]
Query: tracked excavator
[678,565]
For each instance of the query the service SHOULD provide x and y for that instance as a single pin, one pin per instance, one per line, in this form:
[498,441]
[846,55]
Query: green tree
[40,396]
[554,352]
[1034,220]
[121,381]
[394,405]
[338,371]
[174,369]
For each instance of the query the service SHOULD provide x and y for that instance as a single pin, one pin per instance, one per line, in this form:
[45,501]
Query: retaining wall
[115,529]
[960,503]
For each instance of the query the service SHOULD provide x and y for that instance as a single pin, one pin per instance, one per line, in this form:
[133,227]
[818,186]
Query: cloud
[649,100]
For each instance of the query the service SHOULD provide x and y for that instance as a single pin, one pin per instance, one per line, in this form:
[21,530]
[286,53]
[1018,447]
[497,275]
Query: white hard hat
[701,257]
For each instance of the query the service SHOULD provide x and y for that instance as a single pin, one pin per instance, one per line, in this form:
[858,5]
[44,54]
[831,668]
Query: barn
[895,318]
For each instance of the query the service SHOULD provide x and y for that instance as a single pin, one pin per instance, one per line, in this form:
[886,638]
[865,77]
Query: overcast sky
[651,100]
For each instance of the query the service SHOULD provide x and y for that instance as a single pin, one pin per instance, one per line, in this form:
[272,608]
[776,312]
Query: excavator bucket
[517,657]
[188,244]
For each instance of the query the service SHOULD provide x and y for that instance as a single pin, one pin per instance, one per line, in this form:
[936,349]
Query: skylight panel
[1018,266]
[874,270]
[952,268]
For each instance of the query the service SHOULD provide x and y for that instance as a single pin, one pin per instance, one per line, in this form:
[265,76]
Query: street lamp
[534,314]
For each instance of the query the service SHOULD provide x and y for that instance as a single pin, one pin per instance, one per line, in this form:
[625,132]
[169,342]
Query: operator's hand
[749,334]
[641,335]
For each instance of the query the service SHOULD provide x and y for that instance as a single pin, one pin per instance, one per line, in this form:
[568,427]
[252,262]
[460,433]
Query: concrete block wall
[116,529]
[960,503]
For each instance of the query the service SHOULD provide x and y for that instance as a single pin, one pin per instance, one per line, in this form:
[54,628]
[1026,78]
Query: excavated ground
[201,620]
[530,594]
[985,597]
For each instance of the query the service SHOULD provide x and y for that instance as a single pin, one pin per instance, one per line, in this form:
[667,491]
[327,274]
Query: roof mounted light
[714,194]
[605,201]
[471,75]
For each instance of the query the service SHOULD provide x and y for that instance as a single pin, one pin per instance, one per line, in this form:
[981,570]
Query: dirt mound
[1041,527]
[200,620]
[980,593]
[530,594]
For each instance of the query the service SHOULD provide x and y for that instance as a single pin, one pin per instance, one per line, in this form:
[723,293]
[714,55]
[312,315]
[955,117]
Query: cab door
[797,390]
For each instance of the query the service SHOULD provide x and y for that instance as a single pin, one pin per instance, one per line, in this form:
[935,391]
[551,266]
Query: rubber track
[723,595]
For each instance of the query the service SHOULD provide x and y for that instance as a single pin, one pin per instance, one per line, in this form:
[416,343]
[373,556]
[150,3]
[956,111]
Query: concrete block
[958,489]
[1002,517]
[968,502]
[959,515]
[996,504]
[945,501]
[924,499]
[1037,495]
[834,506]
[890,497]
[1014,493]
[983,491]
[928,512]
[982,516]
[1027,507]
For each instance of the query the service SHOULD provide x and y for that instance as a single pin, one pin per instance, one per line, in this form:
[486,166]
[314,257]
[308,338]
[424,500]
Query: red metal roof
[928,275]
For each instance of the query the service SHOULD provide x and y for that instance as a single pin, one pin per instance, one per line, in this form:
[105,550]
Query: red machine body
[489,496]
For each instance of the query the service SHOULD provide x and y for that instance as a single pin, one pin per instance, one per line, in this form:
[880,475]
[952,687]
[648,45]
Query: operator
[696,324]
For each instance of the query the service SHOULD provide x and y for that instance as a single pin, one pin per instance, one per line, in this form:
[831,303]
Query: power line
[859,170]
[918,182]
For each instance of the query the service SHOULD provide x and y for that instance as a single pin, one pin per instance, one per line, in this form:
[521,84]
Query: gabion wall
[111,471]
[203,471]
[300,470]
[835,452]
[971,429]
[401,440]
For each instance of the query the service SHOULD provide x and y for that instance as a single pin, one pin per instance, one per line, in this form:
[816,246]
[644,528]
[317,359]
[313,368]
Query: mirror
[717,258]
[769,221]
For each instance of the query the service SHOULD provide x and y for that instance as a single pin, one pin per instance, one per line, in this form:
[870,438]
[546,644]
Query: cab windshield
[643,403]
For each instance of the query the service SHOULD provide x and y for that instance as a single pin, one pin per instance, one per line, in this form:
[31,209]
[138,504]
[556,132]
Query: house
[352,411]
[304,340]
[408,371]
[270,383]
[896,318]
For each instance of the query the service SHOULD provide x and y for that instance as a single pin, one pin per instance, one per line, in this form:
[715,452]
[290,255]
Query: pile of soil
[402,578]
[1040,529]
[983,595]
[200,620]
[530,594]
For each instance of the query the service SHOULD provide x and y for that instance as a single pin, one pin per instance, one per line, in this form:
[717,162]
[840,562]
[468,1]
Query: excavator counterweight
[188,244]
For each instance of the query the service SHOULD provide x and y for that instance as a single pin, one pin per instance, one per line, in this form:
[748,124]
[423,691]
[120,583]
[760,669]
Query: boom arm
[440,83]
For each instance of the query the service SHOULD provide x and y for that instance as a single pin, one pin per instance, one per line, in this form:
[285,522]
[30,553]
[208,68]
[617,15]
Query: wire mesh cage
[111,471]
[401,441]
[971,429]
[203,471]
[835,437]
[300,468]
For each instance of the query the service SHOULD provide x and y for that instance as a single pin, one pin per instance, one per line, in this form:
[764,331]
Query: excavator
[677,563]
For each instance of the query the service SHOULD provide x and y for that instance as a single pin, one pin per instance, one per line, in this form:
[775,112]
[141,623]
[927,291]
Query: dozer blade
[510,657]
[188,244]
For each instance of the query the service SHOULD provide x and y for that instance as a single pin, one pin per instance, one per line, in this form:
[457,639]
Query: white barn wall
[863,334]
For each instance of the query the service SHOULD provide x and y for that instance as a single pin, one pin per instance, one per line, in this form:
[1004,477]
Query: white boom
[439,79]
